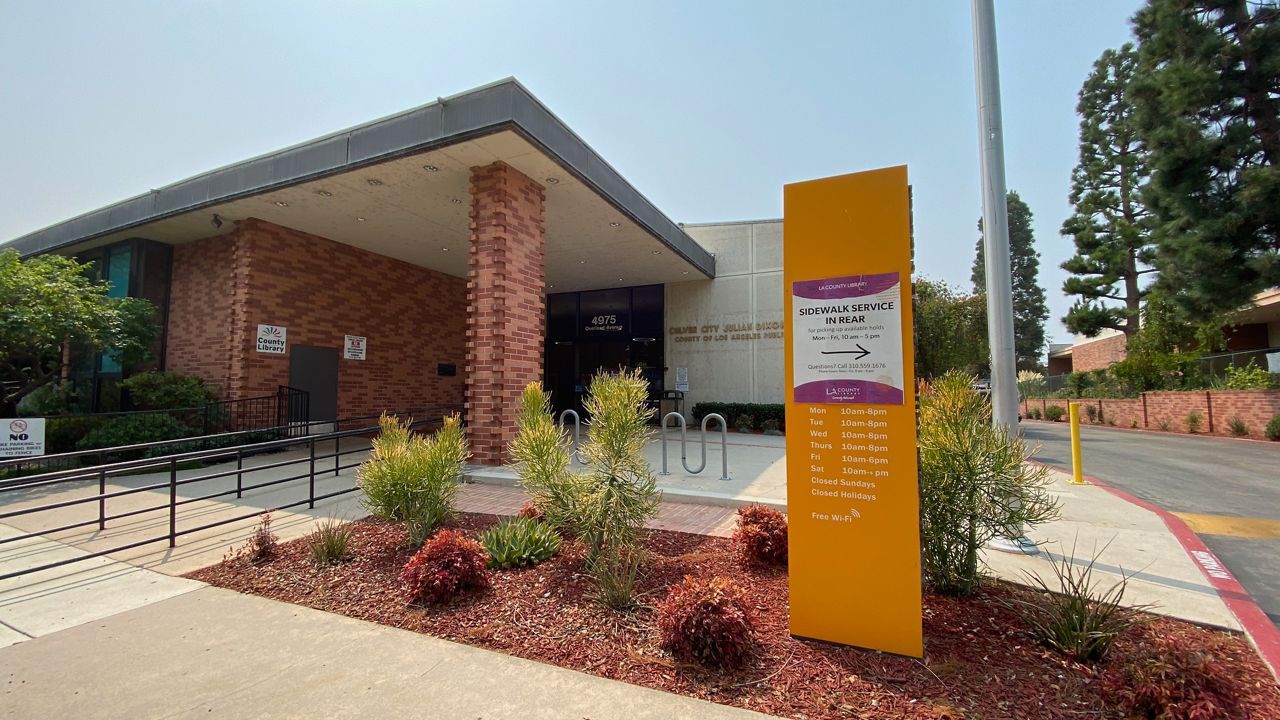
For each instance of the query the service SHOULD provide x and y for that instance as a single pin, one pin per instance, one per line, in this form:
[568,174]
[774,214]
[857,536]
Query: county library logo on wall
[271,339]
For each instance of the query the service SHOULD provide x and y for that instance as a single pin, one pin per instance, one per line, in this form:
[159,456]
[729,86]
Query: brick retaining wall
[1216,407]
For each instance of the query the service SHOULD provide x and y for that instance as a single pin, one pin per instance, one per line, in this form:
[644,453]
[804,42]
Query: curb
[1257,626]
[1148,431]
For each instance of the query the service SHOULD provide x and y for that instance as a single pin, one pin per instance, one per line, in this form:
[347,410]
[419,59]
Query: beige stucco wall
[728,331]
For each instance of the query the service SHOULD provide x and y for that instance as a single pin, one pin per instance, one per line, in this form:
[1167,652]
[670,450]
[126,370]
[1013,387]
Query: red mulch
[979,662]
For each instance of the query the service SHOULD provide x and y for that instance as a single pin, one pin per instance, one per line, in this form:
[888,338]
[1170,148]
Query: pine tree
[1029,309]
[1111,227]
[1207,97]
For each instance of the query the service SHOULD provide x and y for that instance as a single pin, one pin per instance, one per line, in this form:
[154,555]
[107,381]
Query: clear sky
[707,108]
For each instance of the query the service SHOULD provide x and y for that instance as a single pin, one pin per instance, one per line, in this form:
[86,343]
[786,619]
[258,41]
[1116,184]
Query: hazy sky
[707,108]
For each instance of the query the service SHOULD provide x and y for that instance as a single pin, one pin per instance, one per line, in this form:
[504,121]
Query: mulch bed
[979,663]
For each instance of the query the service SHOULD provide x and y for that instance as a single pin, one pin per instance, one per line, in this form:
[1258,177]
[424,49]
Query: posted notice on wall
[21,437]
[682,379]
[848,339]
[353,347]
[272,339]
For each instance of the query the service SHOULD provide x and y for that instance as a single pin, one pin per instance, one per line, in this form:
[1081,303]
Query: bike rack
[577,434]
[724,444]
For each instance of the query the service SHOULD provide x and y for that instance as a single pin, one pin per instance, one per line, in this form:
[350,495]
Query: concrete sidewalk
[217,653]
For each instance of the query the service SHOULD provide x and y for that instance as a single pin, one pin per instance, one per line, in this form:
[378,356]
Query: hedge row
[759,412]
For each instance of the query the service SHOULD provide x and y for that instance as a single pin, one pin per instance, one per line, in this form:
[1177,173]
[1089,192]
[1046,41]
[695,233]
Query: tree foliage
[1110,225]
[1029,308]
[50,300]
[951,330]
[1208,110]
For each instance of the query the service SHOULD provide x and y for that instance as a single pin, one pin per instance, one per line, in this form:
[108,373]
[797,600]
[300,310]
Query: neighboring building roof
[503,105]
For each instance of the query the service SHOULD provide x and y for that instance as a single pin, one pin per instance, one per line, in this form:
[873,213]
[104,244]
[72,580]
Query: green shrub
[1054,413]
[162,390]
[55,398]
[615,570]
[1075,618]
[1273,428]
[1035,413]
[1133,424]
[331,542]
[1237,427]
[1164,425]
[608,503]
[771,427]
[975,484]
[707,621]
[413,479]
[132,430]
[1251,377]
[64,434]
[761,535]
[1091,412]
[448,565]
[761,412]
[745,423]
[519,542]
[1194,421]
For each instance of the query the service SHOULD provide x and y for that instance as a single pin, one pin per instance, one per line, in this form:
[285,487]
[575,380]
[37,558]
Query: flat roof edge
[504,104]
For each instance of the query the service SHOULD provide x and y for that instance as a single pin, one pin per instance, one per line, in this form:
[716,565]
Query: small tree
[975,483]
[951,329]
[608,504]
[1029,308]
[1110,226]
[50,301]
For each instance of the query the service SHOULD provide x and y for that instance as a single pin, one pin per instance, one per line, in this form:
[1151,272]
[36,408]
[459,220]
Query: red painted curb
[1257,626]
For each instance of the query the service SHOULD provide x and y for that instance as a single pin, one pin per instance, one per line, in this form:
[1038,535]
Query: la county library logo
[271,339]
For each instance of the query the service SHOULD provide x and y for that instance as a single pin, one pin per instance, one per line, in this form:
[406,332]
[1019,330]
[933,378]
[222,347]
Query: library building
[442,257]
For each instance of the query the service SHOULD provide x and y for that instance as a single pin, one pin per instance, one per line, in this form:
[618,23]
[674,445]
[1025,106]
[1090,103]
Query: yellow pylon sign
[852,486]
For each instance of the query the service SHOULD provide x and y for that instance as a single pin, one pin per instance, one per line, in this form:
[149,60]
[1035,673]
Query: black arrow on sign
[861,352]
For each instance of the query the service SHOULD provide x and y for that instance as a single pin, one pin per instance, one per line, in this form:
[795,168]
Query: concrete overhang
[399,186]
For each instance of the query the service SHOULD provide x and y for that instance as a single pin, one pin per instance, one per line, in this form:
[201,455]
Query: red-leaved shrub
[1168,681]
[529,510]
[761,535]
[448,565]
[707,621]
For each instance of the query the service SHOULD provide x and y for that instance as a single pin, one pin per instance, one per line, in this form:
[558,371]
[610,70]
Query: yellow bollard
[1077,472]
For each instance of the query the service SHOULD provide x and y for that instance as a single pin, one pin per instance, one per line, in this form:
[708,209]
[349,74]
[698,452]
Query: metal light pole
[995,235]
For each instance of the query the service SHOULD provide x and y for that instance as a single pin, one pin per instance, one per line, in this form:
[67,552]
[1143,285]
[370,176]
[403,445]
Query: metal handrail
[724,444]
[171,462]
[99,452]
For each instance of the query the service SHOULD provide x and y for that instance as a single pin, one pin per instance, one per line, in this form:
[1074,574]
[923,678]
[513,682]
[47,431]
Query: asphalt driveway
[1227,491]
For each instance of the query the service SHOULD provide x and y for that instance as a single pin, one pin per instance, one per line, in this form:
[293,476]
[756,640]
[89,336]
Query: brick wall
[320,290]
[200,313]
[1098,354]
[1216,407]
[506,306]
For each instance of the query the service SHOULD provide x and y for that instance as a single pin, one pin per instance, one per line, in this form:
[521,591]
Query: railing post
[311,478]
[173,502]
[337,446]
[239,473]
[102,501]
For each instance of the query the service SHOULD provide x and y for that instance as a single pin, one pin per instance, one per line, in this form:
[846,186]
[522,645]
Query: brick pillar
[505,306]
